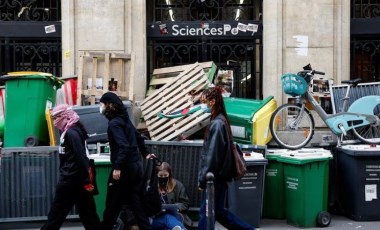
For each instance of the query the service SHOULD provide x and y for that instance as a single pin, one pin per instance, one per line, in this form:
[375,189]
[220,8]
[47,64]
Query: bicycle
[362,117]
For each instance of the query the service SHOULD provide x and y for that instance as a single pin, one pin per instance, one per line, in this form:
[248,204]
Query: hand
[116,174]
[89,187]
[151,156]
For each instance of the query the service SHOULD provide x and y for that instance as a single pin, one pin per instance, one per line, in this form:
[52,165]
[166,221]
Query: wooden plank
[149,102]
[107,72]
[174,69]
[182,125]
[175,95]
[159,81]
[164,75]
[132,78]
[80,80]
[91,91]
[162,123]
[121,56]
[173,100]
[188,126]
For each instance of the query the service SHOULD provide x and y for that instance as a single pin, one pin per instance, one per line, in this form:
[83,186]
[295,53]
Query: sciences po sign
[200,29]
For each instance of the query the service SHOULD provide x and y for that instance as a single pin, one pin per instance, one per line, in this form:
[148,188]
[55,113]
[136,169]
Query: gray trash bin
[245,196]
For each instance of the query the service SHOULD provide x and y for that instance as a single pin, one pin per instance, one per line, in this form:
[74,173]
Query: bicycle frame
[341,122]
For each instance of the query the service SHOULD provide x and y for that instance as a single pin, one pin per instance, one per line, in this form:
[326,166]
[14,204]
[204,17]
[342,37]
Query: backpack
[151,197]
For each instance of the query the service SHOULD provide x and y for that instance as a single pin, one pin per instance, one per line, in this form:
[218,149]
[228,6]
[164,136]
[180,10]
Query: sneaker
[176,228]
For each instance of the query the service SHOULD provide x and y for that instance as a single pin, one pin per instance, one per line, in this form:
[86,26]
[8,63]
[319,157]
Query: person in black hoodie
[125,182]
[74,185]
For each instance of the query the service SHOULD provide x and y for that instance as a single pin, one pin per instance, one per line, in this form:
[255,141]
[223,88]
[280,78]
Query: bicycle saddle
[353,82]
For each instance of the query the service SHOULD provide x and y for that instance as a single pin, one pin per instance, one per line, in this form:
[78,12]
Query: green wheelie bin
[28,95]
[306,173]
[274,189]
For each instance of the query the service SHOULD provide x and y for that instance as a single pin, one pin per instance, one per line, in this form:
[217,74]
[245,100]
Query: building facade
[257,40]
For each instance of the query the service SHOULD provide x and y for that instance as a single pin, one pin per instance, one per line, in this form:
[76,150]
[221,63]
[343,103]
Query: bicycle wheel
[370,133]
[290,128]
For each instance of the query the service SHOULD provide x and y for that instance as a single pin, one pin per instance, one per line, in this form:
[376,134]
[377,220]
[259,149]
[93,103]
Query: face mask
[205,108]
[102,108]
[163,181]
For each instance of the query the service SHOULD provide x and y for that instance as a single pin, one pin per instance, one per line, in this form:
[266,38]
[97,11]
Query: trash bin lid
[273,154]
[241,108]
[31,75]
[304,156]
[254,160]
[27,73]
[360,150]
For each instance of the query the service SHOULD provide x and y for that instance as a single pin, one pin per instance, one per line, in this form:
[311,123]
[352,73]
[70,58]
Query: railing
[208,10]
[365,9]
[27,182]
[33,10]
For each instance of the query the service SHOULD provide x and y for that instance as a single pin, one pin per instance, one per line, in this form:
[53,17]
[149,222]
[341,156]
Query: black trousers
[126,193]
[68,194]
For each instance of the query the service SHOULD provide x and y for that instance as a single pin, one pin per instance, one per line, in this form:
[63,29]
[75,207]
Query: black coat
[74,163]
[124,142]
[216,155]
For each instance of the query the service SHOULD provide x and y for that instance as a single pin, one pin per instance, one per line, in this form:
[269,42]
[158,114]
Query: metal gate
[365,40]
[30,36]
[229,33]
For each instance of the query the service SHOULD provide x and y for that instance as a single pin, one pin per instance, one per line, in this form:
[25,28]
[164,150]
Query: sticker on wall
[163,29]
[242,27]
[205,25]
[302,43]
[66,54]
[370,192]
[252,27]
[50,29]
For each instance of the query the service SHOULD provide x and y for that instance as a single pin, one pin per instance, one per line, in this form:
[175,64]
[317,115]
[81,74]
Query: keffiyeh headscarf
[64,117]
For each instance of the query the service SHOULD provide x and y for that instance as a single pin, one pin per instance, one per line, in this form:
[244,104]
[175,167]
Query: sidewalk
[337,223]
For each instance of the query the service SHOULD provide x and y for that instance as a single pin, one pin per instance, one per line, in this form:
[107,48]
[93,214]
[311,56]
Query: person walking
[216,158]
[174,201]
[74,186]
[125,183]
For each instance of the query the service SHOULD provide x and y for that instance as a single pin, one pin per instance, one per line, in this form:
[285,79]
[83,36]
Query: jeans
[222,215]
[166,221]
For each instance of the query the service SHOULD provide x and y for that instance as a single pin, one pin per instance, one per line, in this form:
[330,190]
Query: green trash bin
[102,168]
[250,119]
[274,189]
[27,97]
[306,174]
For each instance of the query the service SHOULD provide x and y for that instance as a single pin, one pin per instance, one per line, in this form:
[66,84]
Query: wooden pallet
[93,82]
[162,76]
[173,96]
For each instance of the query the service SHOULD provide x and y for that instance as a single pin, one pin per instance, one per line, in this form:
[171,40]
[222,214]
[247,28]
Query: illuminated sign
[198,29]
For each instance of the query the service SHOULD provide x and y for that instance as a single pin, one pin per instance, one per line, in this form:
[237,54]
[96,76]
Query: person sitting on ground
[174,198]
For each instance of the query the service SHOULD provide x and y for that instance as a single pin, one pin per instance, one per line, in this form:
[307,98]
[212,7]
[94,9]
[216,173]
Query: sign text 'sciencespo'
[203,31]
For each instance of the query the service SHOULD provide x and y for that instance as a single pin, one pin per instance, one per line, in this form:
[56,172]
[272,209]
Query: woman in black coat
[216,158]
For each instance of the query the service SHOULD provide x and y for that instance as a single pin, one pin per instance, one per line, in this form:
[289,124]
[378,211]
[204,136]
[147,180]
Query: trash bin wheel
[323,219]
[31,141]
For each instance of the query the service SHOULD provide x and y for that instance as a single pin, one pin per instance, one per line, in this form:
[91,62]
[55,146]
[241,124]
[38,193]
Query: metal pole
[210,213]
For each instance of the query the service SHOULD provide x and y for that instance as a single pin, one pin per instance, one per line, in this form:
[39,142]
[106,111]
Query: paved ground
[337,223]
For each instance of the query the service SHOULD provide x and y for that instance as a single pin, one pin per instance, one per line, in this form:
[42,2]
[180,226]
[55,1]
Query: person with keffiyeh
[74,186]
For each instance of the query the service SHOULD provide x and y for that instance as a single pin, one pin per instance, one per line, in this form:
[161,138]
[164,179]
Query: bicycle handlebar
[318,72]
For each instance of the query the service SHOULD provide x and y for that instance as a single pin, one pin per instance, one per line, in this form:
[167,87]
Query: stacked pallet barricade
[100,72]
[176,95]
[162,76]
